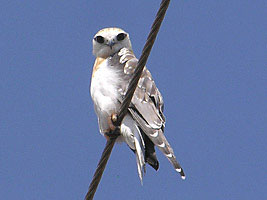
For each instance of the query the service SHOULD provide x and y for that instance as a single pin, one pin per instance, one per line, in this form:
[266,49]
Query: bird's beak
[111,44]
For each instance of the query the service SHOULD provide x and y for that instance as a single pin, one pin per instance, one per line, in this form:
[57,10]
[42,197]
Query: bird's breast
[104,86]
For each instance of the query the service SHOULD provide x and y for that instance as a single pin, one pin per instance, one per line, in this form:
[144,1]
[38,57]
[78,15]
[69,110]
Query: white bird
[142,127]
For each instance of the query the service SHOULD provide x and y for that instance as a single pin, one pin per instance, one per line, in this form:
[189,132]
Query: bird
[143,126]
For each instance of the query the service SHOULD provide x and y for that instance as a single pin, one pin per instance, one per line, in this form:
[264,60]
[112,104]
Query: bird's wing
[147,98]
[146,105]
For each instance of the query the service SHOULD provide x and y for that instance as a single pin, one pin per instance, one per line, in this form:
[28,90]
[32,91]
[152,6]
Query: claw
[113,134]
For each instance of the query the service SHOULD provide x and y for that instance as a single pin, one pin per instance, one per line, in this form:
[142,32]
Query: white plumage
[143,126]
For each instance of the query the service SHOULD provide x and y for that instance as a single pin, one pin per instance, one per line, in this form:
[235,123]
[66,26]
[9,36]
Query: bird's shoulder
[97,64]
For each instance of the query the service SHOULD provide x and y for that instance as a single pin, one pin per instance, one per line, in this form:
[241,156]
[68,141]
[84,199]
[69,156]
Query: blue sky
[209,61]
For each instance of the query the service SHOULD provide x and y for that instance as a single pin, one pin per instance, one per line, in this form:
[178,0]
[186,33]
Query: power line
[128,97]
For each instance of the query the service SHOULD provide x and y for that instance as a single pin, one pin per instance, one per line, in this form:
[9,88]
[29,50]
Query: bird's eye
[99,39]
[121,36]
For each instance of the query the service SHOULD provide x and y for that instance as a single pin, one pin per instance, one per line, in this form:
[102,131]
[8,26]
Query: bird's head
[109,41]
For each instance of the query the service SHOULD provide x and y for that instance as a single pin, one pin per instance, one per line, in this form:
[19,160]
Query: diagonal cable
[128,97]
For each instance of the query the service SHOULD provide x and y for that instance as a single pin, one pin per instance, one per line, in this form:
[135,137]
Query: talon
[112,133]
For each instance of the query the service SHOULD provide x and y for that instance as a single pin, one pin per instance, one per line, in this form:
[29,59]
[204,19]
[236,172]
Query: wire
[143,59]
[128,97]
[100,168]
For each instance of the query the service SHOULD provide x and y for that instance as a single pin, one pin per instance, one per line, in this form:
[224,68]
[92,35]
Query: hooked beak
[111,44]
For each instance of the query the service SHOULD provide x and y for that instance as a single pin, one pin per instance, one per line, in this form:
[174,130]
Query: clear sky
[209,61]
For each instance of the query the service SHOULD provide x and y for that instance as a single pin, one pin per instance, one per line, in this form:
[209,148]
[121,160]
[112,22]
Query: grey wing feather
[147,106]
[147,98]
[148,101]
[158,138]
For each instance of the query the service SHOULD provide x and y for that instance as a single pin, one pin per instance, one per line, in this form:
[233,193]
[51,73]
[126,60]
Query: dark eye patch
[99,39]
[121,36]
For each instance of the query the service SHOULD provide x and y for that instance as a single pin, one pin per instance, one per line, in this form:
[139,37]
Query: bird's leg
[114,118]
[111,121]
[114,131]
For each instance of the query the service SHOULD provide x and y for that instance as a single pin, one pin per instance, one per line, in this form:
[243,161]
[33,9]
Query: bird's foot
[112,121]
[114,131]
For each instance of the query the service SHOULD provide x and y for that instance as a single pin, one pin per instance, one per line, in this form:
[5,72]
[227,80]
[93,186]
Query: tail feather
[134,139]
[140,152]
[150,154]
[158,138]
[140,161]
[166,149]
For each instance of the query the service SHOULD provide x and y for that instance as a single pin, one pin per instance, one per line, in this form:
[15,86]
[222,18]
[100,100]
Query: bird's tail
[140,160]
[133,138]
[159,139]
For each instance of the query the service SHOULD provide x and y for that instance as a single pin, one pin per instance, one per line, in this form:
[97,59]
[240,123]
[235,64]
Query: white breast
[104,92]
